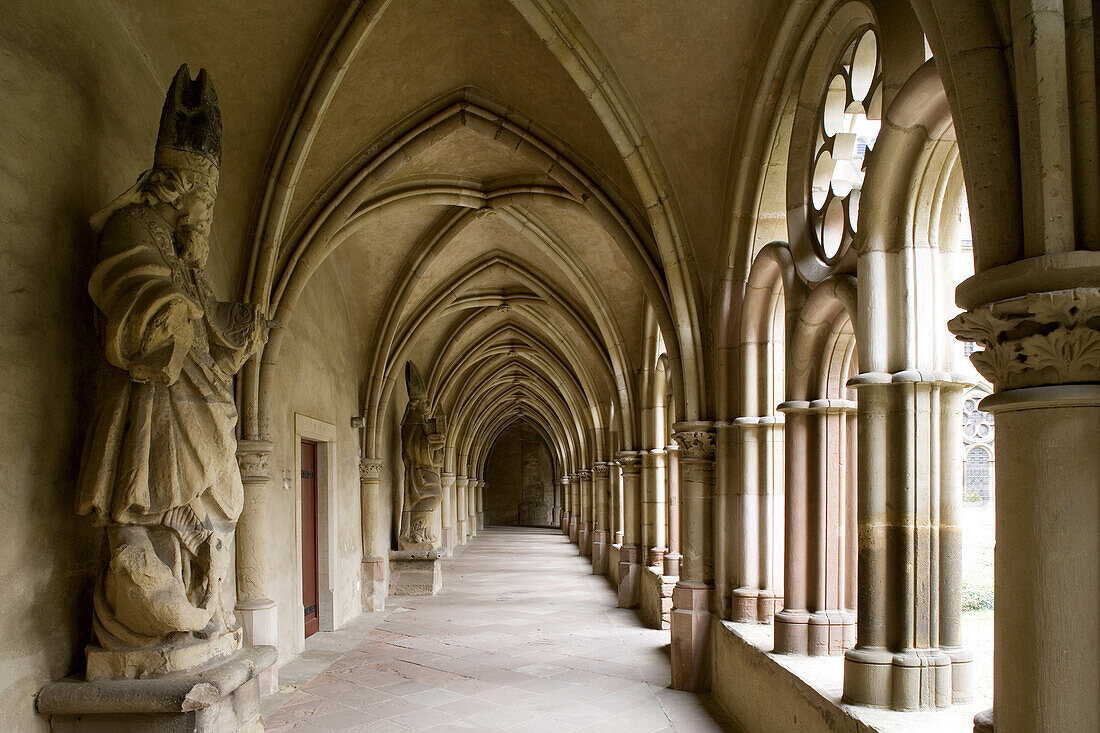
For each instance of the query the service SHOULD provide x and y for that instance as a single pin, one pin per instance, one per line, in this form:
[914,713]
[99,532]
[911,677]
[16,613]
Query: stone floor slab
[521,638]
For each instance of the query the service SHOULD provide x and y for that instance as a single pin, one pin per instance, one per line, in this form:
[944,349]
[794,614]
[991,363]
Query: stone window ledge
[818,682]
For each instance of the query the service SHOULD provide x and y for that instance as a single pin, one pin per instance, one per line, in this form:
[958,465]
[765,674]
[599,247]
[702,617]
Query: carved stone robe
[422,454]
[163,436]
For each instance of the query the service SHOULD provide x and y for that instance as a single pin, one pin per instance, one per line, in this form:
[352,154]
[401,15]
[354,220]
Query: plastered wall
[78,119]
[316,395]
[519,478]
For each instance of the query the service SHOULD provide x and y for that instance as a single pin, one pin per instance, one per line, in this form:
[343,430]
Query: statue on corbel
[423,433]
[159,470]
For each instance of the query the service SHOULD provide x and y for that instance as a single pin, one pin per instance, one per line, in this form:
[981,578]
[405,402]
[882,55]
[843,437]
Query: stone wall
[761,695]
[655,598]
[519,478]
[70,80]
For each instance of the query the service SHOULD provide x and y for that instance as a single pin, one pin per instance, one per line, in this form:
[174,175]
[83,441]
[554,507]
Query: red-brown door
[309,537]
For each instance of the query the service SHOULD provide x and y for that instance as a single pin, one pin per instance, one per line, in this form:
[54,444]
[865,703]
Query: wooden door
[309,537]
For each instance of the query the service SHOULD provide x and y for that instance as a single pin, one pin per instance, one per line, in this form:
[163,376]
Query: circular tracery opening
[851,115]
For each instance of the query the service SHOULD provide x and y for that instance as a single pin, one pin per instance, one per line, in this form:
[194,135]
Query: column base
[657,559]
[755,605]
[259,621]
[600,548]
[820,633]
[373,584]
[691,620]
[584,538]
[223,697]
[563,522]
[415,572]
[916,679]
[574,530]
[629,568]
[671,564]
[471,526]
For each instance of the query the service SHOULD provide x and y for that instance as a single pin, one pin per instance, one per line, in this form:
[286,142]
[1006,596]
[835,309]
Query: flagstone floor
[521,638]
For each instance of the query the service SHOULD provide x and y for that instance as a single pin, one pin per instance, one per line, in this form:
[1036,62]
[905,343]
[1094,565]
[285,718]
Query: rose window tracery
[850,119]
[977,425]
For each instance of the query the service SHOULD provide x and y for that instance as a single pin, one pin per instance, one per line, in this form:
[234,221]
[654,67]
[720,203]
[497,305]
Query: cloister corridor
[522,637]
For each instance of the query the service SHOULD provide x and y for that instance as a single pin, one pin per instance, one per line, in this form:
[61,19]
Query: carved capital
[370,469]
[252,458]
[601,470]
[629,460]
[696,440]
[584,475]
[1035,340]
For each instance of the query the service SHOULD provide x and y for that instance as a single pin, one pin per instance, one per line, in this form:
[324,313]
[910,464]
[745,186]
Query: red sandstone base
[691,620]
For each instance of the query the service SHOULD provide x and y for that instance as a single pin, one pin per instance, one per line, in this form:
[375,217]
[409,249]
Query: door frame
[324,435]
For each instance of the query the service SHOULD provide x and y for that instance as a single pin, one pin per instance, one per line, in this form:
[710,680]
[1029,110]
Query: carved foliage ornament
[695,444]
[1039,339]
[370,469]
[601,470]
[629,460]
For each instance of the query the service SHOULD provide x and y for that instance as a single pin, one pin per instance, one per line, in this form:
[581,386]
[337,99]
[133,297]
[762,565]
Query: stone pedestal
[415,572]
[220,697]
[629,567]
[449,541]
[374,587]
[691,619]
[574,529]
[481,520]
[601,541]
[259,621]
[584,538]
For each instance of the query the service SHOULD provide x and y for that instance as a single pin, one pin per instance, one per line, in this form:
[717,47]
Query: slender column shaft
[629,461]
[748,521]
[601,488]
[471,506]
[584,534]
[462,484]
[653,482]
[619,510]
[256,612]
[724,464]
[630,554]
[794,473]
[481,505]
[448,513]
[673,556]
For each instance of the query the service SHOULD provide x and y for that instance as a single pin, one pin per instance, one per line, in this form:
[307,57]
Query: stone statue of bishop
[159,468]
